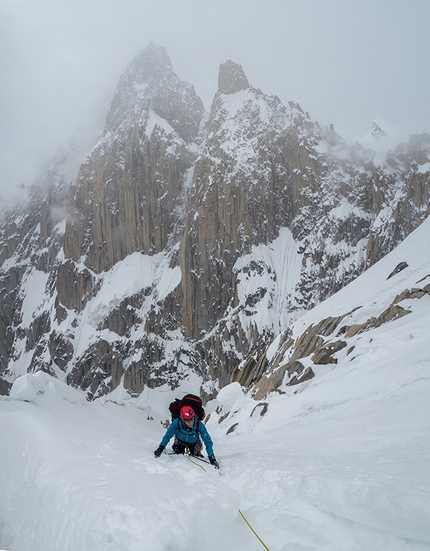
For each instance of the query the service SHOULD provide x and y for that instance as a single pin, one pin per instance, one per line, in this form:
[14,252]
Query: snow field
[339,464]
[83,476]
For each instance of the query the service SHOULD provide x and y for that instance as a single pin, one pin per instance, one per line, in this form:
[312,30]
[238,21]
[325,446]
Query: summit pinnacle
[231,78]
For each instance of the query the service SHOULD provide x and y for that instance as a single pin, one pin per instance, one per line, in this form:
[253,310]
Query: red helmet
[187,413]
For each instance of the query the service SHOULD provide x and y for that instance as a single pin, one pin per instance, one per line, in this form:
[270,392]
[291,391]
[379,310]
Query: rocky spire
[135,173]
[149,82]
[231,78]
[149,65]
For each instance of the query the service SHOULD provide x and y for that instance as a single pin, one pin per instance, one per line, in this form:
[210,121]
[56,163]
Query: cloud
[345,62]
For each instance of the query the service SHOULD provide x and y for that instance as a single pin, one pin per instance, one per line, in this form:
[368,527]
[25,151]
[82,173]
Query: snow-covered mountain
[189,239]
[338,463]
[382,136]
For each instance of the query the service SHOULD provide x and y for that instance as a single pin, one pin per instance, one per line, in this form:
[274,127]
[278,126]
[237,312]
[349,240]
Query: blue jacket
[188,436]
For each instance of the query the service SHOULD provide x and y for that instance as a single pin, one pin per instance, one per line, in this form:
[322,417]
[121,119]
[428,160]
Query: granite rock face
[320,343]
[231,78]
[184,241]
[128,189]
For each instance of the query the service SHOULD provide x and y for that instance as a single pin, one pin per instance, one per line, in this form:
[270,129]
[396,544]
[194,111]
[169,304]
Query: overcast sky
[343,61]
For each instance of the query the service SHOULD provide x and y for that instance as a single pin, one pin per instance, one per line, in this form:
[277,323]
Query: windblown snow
[339,463]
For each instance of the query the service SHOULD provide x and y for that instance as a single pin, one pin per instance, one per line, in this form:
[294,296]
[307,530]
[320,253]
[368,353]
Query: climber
[187,430]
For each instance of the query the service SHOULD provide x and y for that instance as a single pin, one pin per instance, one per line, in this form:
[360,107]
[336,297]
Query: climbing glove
[159,451]
[213,461]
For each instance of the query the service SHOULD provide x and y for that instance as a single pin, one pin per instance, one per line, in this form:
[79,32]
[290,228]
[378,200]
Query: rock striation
[185,241]
[128,189]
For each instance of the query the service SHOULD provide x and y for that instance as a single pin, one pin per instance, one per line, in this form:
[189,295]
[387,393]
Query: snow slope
[340,463]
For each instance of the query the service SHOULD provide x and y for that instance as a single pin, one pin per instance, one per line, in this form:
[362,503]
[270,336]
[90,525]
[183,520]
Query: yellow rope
[194,463]
[187,455]
[253,531]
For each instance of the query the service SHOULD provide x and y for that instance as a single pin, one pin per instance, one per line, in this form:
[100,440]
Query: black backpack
[188,400]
